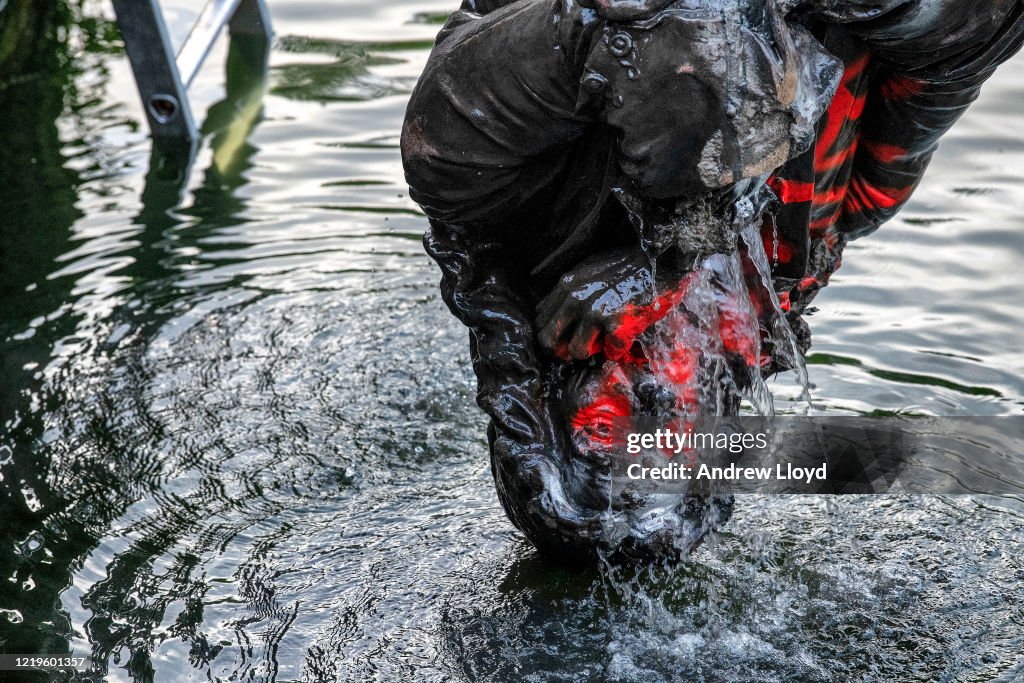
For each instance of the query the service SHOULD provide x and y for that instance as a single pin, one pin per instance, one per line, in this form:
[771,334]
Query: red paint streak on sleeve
[884,153]
[898,87]
[845,106]
[820,225]
[829,196]
[864,196]
[791,191]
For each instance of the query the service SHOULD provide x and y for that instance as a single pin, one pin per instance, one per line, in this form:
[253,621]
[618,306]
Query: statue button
[620,44]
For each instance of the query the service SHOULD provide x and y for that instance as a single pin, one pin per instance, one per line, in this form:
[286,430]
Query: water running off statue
[632,203]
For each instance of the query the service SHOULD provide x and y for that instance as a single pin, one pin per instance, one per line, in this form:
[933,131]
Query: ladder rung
[215,15]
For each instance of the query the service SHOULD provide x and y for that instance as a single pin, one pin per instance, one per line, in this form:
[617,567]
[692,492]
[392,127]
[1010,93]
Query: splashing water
[708,349]
[781,334]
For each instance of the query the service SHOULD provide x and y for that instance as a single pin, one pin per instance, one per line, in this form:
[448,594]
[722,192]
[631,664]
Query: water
[240,443]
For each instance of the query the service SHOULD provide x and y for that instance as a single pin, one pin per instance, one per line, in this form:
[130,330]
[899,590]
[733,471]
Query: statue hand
[601,305]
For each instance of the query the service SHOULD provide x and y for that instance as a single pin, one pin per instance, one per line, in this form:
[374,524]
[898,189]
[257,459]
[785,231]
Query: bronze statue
[633,202]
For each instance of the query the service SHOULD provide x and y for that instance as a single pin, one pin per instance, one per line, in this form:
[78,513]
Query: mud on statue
[633,202]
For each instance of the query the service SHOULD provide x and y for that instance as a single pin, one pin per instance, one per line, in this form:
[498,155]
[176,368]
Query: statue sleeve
[931,58]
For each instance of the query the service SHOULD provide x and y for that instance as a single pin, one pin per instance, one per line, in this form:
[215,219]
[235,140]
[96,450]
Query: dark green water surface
[237,431]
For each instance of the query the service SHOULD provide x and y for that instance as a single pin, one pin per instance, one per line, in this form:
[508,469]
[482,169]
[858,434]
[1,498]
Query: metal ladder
[163,78]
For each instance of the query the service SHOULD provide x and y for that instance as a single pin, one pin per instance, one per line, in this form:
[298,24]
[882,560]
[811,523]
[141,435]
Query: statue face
[606,402]
[600,404]
[682,367]
[603,404]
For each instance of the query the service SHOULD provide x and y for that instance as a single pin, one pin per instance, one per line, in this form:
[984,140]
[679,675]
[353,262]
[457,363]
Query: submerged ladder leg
[163,78]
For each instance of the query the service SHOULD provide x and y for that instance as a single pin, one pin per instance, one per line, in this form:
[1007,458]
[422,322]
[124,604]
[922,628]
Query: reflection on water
[348,76]
[239,440]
